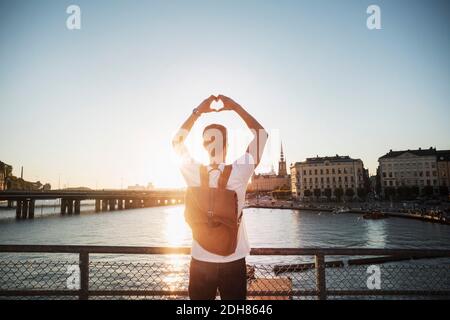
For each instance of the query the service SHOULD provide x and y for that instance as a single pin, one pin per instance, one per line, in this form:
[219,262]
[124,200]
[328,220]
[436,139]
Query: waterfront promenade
[428,215]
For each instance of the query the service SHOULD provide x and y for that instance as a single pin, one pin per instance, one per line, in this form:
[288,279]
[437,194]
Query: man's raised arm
[181,135]
[260,135]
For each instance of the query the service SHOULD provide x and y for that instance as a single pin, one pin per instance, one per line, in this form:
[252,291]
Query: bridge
[104,200]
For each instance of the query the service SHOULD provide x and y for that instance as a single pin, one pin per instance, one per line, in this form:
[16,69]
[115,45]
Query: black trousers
[230,278]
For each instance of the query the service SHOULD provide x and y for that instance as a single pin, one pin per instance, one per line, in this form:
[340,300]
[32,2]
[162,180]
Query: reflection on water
[175,228]
[376,233]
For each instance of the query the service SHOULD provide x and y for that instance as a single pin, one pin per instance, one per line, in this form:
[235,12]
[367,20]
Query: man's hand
[228,103]
[205,106]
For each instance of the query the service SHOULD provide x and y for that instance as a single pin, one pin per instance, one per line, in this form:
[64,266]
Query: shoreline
[351,210]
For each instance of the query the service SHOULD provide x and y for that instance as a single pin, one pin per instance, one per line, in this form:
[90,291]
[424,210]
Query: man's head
[215,143]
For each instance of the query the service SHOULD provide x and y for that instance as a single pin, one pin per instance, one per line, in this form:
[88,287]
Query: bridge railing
[95,272]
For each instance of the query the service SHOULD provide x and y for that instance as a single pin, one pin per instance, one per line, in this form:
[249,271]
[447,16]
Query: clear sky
[98,106]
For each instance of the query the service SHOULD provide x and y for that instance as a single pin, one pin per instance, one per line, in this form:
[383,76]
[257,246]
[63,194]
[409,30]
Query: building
[329,177]
[414,172]
[138,187]
[443,165]
[271,181]
[5,173]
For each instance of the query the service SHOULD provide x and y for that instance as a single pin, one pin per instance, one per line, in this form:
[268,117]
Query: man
[210,272]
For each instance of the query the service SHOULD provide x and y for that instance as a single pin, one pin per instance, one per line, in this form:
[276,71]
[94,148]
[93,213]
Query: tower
[282,164]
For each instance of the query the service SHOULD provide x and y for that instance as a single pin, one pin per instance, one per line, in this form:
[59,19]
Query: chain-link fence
[149,273]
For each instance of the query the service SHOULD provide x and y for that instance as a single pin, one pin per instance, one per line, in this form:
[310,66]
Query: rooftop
[419,152]
[336,158]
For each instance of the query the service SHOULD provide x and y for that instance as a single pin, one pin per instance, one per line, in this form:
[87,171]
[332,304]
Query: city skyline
[98,106]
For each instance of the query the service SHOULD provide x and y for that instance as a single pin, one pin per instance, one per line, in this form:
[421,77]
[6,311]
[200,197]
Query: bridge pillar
[24,209]
[19,209]
[69,206]
[97,205]
[120,204]
[130,204]
[104,205]
[77,206]
[10,203]
[63,206]
[31,209]
[112,204]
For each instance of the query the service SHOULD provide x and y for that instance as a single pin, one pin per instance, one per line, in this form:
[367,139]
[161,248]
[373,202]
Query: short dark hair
[219,127]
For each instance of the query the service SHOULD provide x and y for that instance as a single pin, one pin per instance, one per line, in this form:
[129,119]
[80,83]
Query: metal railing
[110,272]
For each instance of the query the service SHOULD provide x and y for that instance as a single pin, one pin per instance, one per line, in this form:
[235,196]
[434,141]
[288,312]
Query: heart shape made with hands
[217,105]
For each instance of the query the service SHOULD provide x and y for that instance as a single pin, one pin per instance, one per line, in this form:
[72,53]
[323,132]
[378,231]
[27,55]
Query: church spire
[282,163]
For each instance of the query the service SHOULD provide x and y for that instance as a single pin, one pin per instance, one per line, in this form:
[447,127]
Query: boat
[375,215]
[340,210]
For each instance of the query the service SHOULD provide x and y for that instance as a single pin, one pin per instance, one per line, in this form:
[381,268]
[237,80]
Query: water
[165,226]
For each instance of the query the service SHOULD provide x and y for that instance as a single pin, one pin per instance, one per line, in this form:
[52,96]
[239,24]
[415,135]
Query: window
[328,171]
[304,172]
[333,171]
[321,171]
[315,171]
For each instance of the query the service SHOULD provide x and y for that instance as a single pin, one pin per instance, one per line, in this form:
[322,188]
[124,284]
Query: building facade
[443,165]
[328,177]
[5,172]
[271,181]
[417,170]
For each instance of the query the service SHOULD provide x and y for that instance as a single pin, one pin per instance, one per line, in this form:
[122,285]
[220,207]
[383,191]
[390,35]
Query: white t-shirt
[242,170]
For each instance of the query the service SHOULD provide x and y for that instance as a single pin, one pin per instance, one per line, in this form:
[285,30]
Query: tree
[338,192]
[415,192]
[317,193]
[327,193]
[389,193]
[427,191]
[443,191]
[362,193]
[349,193]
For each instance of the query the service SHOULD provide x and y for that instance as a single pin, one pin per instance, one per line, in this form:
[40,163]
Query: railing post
[84,276]
[320,277]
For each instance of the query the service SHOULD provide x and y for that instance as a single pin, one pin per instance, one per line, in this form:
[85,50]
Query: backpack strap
[204,177]
[224,177]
